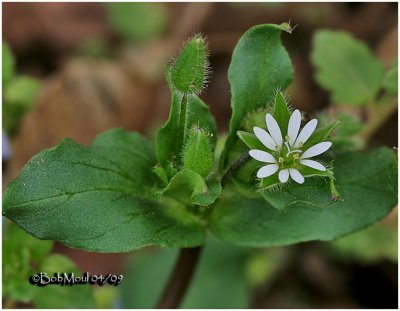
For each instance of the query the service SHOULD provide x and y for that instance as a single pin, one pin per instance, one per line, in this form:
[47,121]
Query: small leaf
[368,187]
[8,63]
[390,81]
[189,70]
[138,21]
[198,114]
[99,198]
[63,297]
[346,67]
[260,64]
[281,112]
[191,188]
[197,154]
[250,140]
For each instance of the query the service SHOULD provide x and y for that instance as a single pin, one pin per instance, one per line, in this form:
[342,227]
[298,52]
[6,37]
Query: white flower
[285,155]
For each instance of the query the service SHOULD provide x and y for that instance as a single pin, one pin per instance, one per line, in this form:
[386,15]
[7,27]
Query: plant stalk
[179,280]
[231,171]
[182,122]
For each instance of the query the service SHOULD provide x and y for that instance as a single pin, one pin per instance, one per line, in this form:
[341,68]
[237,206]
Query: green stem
[182,122]
[231,171]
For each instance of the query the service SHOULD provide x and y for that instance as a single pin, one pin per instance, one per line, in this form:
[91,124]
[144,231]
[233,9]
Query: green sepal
[281,113]
[198,153]
[320,135]
[250,140]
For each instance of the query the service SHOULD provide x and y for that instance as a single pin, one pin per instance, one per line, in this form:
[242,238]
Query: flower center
[289,157]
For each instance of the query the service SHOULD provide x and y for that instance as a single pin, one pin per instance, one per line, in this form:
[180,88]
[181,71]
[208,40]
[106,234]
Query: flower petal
[267,170]
[262,156]
[274,129]
[316,150]
[294,126]
[265,138]
[306,132]
[283,175]
[296,176]
[313,164]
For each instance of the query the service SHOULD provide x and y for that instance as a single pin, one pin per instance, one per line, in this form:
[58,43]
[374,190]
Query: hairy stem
[230,172]
[182,122]
[179,280]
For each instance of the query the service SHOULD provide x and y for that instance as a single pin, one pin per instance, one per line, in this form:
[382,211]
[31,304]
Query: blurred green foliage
[370,245]
[220,280]
[346,133]
[95,48]
[8,63]
[137,21]
[24,256]
[390,81]
[346,67]
[19,93]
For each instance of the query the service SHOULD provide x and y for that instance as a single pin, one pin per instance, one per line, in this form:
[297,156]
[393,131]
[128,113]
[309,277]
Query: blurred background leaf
[137,21]
[8,63]
[390,81]
[346,67]
[19,96]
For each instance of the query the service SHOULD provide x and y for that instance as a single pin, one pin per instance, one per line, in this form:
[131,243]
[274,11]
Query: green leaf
[8,63]
[191,188]
[390,81]
[189,70]
[368,187]
[62,297]
[281,113]
[21,252]
[197,154]
[19,96]
[138,21]
[98,198]
[346,67]
[220,264]
[260,64]
[198,115]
